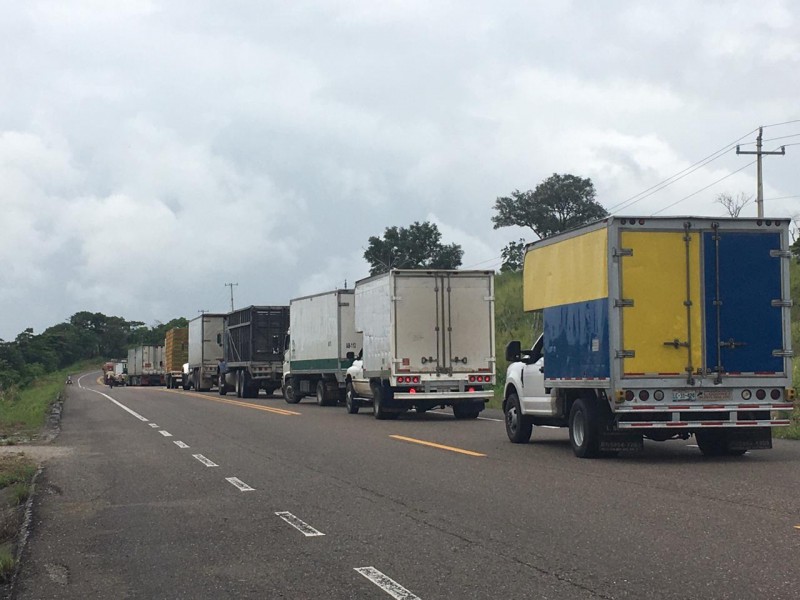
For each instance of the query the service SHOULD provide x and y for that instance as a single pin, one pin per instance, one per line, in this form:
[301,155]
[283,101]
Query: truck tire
[519,427]
[584,428]
[249,387]
[237,383]
[712,442]
[289,394]
[466,410]
[222,386]
[378,405]
[350,401]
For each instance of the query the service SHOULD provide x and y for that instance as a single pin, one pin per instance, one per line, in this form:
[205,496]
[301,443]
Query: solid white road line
[165,433]
[304,528]
[153,425]
[243,487]
[391,587]
[180,444]
[490,419]
[204,460]
[122,406]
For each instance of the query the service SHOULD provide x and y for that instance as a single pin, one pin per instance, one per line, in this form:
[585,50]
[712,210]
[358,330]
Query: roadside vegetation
[16,474]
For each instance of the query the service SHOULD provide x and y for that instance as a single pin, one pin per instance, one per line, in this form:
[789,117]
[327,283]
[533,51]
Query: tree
[417,247]
[733,205]
[559,203]
[513,256]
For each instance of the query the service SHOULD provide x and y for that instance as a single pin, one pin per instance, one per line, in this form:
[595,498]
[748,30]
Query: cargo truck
[205,351]
[428,342]
[176,353]
[146,365]
[253,342]
[322,334]
[658,328]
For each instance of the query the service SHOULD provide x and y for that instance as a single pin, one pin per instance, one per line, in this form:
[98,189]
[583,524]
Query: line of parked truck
[654,328]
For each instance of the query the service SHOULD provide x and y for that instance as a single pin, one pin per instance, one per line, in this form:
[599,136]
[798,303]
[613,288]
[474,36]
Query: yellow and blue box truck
[659,328]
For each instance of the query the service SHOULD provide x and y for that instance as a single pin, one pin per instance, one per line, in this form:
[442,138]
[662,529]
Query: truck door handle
[676,343]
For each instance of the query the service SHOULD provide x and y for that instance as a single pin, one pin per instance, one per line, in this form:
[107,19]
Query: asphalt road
[142,503]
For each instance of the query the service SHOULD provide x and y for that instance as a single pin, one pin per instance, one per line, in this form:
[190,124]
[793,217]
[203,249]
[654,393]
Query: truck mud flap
[621,442]
[756,438]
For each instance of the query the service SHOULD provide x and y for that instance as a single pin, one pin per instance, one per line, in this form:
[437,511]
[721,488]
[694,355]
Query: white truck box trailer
[323,342]
[428,341]
[205,351]
[146,365]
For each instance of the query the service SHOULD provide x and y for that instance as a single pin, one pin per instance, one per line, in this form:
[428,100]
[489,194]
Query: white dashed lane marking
[180,444]
[153,425]
[165,433]
[304,528]
[207,462]
[238,483]
[390,586]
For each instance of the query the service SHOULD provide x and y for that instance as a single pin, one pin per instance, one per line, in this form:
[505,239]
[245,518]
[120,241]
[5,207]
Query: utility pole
[202,311]
[759,153]
[231,285]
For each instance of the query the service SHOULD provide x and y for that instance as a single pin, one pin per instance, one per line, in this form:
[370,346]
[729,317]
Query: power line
[676,177]
[702,189]
[784,123]
[759,174]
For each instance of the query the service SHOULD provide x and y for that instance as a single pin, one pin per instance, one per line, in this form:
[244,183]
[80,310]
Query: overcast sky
[151,152]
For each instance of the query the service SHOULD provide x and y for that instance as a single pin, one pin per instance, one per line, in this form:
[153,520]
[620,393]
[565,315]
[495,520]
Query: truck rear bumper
[701,424]
[694,416]
[485,396]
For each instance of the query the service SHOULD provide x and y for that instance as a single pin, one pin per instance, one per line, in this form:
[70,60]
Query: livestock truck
[428,340]
[146,365]
[658,328]
[253,342]
[176,354]
[322,344]
[205,351]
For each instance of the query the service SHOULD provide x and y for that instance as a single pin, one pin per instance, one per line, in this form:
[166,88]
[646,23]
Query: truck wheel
[349,399]
[249,387]
[519,427]
[584,422]
[378,409]
[322,394]
[466,410]
[289,394]
[185,383]
[711,442]
[237,383]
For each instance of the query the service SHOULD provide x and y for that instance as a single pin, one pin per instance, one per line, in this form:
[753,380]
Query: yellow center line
[439,446]
[223,400]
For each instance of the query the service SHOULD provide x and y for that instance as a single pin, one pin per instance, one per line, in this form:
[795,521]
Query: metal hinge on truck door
[618,252]
[782,303]
[623,302]
[626,354]
[783,353]
[780,253]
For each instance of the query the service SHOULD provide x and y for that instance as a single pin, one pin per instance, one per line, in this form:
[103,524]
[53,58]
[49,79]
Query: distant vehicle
[322,332]
[428,342]
[176,353]
[252,349]
[205,350]
[656,327]
[146,365]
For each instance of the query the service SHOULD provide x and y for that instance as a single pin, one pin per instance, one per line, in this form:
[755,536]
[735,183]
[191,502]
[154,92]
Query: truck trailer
[658,328]
[322,333]
[205,351]
[253,343]
[428,342]
[176,353]
[145,365]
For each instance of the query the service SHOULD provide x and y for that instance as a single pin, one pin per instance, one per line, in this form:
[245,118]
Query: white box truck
[205,351]
[146,365]
[428,342]
[322,344]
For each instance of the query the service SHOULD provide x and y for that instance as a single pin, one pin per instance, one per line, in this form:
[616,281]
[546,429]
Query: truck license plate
[684,395]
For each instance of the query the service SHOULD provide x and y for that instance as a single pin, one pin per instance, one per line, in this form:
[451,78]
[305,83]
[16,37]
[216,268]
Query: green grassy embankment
[23,414]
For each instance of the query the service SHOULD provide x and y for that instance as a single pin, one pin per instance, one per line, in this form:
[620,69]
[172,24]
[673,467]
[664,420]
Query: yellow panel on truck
[659,277]
[176,348]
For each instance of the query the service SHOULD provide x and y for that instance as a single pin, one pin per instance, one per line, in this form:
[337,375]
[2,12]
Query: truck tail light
[775,394]
[746,394]
[761,394]
[644,395]
[480,378]
[629,395]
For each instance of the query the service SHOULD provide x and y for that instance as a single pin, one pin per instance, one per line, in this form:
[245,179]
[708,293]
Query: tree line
[84,336]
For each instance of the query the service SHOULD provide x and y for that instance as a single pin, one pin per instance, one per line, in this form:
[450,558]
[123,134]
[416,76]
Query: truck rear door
[468,333]
[661,303]
[269,330]
[417,323]
[742,279]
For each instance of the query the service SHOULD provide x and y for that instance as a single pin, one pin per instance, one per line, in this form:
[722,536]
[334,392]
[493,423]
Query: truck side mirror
[350,355]
[513,351]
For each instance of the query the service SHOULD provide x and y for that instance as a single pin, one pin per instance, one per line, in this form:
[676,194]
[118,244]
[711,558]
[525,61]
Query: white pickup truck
[428,340]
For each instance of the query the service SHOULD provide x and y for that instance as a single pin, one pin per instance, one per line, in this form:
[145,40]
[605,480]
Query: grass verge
[16,474]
